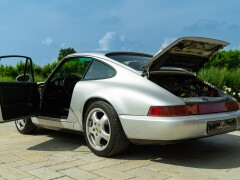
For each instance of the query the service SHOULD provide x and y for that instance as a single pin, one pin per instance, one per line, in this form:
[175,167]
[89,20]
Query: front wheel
[25,126]
[103,131]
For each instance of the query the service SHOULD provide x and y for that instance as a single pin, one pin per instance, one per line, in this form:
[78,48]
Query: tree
[48,68]
[65,52]
[229,59]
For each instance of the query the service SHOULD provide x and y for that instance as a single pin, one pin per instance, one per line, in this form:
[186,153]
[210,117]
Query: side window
[99,70]
[15,68]
[73,66]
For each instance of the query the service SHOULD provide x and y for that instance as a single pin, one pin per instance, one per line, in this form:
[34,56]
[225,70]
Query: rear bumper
[172,128]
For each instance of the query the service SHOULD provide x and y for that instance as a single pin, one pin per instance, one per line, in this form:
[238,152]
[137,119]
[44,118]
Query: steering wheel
[69,82]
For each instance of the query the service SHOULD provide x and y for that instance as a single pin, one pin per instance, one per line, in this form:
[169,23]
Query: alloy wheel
[21,124]
[98,129]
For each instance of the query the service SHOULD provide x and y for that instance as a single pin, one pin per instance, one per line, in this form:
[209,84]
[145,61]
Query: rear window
[135,61]
[99,70]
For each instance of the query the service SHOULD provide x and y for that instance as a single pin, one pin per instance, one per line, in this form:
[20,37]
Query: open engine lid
[189,53]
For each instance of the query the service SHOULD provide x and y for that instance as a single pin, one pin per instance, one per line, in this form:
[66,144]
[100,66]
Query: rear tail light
[232,106]
[193,109]
[168,111]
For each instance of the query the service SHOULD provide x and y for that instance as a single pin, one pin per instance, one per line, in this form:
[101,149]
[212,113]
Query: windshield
[133,60]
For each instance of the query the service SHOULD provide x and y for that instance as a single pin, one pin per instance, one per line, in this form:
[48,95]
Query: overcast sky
[39,28]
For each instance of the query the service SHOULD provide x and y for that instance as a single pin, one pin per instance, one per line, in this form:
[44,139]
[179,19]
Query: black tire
[109,124]
[25,126]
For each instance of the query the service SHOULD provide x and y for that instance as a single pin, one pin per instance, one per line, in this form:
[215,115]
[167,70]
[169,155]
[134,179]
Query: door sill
[60,118]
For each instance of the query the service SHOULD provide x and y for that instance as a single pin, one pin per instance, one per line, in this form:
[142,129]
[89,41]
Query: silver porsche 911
[118,98]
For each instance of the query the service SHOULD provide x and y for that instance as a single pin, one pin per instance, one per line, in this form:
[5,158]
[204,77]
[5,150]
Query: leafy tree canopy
[64,52]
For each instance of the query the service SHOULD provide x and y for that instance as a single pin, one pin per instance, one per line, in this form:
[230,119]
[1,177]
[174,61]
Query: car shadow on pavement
[60,141]
[219,152]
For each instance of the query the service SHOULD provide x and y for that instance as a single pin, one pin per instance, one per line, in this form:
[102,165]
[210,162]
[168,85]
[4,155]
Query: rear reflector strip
[212,108]
[193,109]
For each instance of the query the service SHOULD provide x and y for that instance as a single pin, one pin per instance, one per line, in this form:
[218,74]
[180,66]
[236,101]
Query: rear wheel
[25,126]
[103,131]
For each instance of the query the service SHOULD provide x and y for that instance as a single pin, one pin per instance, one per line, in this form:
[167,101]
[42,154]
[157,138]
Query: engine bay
[184,85]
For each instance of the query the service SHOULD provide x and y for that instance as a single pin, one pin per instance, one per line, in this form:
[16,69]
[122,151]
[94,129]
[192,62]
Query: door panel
[18,100]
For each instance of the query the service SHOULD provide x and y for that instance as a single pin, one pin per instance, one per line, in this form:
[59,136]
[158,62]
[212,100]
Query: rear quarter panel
[128,92]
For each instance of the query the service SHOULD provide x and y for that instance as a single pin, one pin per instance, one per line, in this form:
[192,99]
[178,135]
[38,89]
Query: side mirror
[23,78]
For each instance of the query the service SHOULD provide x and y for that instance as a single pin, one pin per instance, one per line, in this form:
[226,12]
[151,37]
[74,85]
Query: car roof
[104,54]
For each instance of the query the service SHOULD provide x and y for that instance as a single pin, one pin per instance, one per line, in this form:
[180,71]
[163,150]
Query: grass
[37,78]
[215,76]
[7,79]
[234,79]
[223,78]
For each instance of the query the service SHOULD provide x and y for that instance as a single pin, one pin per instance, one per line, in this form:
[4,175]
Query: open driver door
[19,96]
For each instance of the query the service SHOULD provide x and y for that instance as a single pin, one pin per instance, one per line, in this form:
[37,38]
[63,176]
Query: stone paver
[130,165]
[99,165]
[64,178]
[45,173]
[77,173]
[143,173]
[13,173]
[56,155]
[67,165]
[113,174]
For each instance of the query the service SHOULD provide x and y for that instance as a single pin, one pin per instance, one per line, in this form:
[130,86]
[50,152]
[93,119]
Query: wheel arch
[117,140]
[89,102]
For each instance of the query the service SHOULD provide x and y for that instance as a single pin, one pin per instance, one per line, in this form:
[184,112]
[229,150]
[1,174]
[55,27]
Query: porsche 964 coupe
[118,98]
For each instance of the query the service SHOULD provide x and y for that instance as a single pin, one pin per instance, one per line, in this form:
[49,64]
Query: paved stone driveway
[54,155]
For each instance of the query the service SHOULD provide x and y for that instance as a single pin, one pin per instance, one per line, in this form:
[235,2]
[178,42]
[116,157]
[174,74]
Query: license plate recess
[221,126]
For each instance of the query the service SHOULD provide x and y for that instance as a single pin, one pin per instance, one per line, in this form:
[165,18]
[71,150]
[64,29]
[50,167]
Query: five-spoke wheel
[98,129]
[20,124]
[103,130]
[25,126]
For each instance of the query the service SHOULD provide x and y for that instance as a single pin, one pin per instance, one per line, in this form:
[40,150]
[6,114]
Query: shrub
[225,79]
[225,59]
